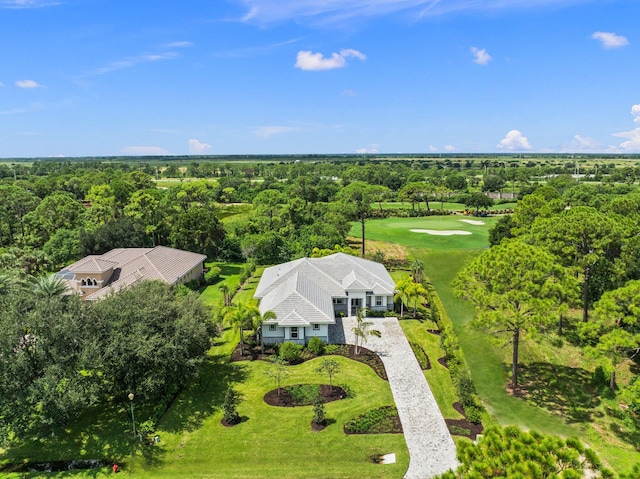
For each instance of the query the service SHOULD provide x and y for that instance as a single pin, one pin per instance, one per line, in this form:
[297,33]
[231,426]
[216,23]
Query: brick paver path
[431,449]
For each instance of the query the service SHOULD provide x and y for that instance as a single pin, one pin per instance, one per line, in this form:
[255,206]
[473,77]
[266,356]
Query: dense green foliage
[513,453]
[58,356]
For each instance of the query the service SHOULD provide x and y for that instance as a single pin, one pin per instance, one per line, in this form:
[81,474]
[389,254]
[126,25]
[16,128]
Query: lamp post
[133,418]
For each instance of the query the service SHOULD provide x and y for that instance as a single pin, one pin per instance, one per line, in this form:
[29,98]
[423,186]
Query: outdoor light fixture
[133,418]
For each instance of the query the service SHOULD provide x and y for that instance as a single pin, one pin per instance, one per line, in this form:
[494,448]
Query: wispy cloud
[252,51]
[144,151]
[28,109]
[28,3]
[28,84]
[131,62]
[184,44]
[307,60]
[480,56]
[197,147]
[271,130]
[635,111]
[610,40]
[514,141]
[341,12]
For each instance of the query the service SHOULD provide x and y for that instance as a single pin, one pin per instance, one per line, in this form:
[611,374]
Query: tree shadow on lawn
[101,433]
[562,390]
[203,396]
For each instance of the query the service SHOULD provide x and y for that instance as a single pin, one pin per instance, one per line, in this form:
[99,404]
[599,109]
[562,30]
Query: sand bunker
[473,222]
[442,233]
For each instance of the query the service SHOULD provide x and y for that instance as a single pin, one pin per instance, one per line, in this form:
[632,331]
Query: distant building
[307,294]
[97,276]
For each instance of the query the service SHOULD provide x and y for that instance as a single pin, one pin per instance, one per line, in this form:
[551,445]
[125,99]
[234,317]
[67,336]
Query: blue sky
[109,77]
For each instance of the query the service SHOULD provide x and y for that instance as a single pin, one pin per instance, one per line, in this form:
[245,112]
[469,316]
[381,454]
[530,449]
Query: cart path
[431,448]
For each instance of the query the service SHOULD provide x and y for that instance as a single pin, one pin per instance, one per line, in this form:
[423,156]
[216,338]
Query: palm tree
[416,290]
[257,324]
[241,317]
[224,289]
[49,286]
[417,268]
[8,283]
[361,330]
[402,293]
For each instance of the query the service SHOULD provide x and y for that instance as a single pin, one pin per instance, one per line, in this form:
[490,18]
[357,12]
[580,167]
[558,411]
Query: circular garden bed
[303,395]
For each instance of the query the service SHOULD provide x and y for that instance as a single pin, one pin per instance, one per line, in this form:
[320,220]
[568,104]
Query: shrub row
[420,355]
[213,275]
[460,376]
[247,271]
[374,421]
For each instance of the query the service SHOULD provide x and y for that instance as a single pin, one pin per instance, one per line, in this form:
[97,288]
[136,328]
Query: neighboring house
[95,277]
[307,294]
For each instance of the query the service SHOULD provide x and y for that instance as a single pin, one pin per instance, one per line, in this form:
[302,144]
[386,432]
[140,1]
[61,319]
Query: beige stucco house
[307,294]
[97,276]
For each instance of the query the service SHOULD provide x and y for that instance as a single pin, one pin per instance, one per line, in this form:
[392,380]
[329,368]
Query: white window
[316,327]
[294,332]
[272,327]
[378,300]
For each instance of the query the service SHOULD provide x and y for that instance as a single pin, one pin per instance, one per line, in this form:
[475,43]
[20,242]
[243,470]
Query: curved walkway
[431,449]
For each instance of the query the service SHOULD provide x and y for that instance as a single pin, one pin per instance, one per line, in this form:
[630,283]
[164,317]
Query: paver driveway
[431,449]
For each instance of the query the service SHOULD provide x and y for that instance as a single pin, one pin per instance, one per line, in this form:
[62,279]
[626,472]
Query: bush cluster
[213,275]
[290,352]
[303,394]
[316,346]
[247,271]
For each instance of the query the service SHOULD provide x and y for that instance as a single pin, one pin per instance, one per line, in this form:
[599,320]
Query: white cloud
[635,111]
[481,57]
[449,148]
[196,147]
[307,60]
[433,148]
[610,39]
[268,131]
[144,151]
[29,109]
[371,150]
[514,141]
[28,84]
[28,3]
[584,143]
[632,145]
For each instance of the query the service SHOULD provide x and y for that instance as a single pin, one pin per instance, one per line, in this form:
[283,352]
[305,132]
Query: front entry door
[355,304]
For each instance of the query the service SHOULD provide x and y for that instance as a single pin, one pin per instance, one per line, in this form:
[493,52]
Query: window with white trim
[316,327]
[294,332]
[272,327]
[378,300]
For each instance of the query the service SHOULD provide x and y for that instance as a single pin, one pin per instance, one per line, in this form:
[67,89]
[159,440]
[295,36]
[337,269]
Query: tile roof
[136,264]
[307,286]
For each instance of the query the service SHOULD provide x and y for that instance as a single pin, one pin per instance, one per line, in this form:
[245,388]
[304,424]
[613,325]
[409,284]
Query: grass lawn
[230,275]
[397,230]
[438,376]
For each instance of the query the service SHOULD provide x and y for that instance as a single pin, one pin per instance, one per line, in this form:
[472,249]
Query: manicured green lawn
[438,376]
[397,230]
[230,274]
[483,356]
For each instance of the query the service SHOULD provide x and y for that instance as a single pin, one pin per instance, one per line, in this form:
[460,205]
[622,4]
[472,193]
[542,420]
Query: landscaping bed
[382,420]
[463,427]
[291,396]
[364,356]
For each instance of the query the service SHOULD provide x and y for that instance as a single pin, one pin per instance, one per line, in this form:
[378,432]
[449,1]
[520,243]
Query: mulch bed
[474,429]
[328,394]
[437,332]
[443,362]
[364,356]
